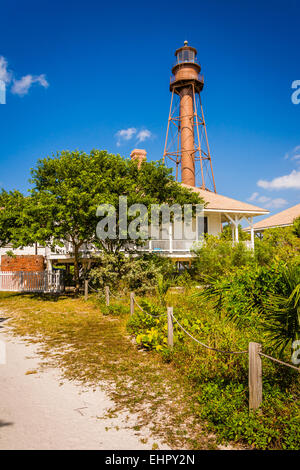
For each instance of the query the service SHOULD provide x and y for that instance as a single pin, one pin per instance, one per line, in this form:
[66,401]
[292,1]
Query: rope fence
[92,288]
[254,355]
[205,345]
[147,313]
[279,362]
[107,292]
[254,349]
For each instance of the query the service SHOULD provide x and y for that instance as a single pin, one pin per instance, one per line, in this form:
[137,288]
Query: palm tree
[283,311]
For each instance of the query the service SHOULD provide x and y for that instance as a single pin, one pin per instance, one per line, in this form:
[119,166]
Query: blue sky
[78,73]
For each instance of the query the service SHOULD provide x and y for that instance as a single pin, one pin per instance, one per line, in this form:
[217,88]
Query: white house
[218,210]
[281,219]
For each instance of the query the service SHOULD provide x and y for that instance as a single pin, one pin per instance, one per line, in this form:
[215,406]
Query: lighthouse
[186,144]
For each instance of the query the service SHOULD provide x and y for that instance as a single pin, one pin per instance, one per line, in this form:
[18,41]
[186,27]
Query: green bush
[227,233]
[220,382]
[277,244]
[233,308]
[127,273]
[296,227]
[275,426]
[217,257]
[116,310]
[241,294]
[186,278]
[267,298]
[108,270]
[282,310]
[150,330]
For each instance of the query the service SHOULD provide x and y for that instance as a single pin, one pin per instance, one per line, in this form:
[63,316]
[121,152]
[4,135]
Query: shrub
[143,274]
[220,382]
[117,310]
[150,330]
[163,285]
[217,257]
[121,272]
[283,310]
[108,271]
[275,426]
[277,244]
[241,295]
[296,227]
[227,233]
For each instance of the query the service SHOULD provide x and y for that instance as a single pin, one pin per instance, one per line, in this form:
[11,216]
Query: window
[186,56]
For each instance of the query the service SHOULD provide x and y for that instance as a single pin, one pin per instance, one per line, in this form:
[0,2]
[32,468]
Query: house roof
[282,219]
[218,203]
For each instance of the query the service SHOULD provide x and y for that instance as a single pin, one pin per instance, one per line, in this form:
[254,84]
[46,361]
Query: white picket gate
[22,281]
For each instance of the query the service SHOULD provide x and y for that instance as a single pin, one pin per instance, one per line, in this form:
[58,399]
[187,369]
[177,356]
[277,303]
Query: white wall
[213,222]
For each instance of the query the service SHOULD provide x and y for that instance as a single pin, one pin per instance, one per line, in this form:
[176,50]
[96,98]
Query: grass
[220,382]
[96,350]
[190,398]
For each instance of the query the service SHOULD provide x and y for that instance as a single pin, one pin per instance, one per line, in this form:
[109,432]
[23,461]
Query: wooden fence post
[107,296]
[131,303]
[255,376]
[170,327]
[86,289]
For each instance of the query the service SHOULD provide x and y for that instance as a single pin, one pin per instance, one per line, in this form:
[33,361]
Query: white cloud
[294,154]
[125,135]
[253,197]
[276,203]
[291,181]
[268,202]
[5,74]
[143,135]
[21,87]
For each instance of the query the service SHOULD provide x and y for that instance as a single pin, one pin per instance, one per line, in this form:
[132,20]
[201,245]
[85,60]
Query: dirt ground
[38,411]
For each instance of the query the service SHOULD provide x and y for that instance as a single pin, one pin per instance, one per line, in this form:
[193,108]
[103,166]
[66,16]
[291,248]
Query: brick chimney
[140,155]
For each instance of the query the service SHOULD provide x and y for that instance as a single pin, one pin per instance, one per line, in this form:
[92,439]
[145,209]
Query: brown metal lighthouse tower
[186,140]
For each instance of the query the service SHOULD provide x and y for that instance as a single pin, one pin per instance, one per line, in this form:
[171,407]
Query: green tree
[123,273]
[279,243]
[12,206]
[68,188]
[227,233]
[217,257]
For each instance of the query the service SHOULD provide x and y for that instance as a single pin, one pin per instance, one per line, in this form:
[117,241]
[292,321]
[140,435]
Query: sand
[37,411]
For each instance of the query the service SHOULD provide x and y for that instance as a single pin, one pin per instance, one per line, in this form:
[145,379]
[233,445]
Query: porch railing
[168,246]
[22,281]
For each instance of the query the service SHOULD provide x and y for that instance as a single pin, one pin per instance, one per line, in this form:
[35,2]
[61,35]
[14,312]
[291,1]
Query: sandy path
[37,412]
